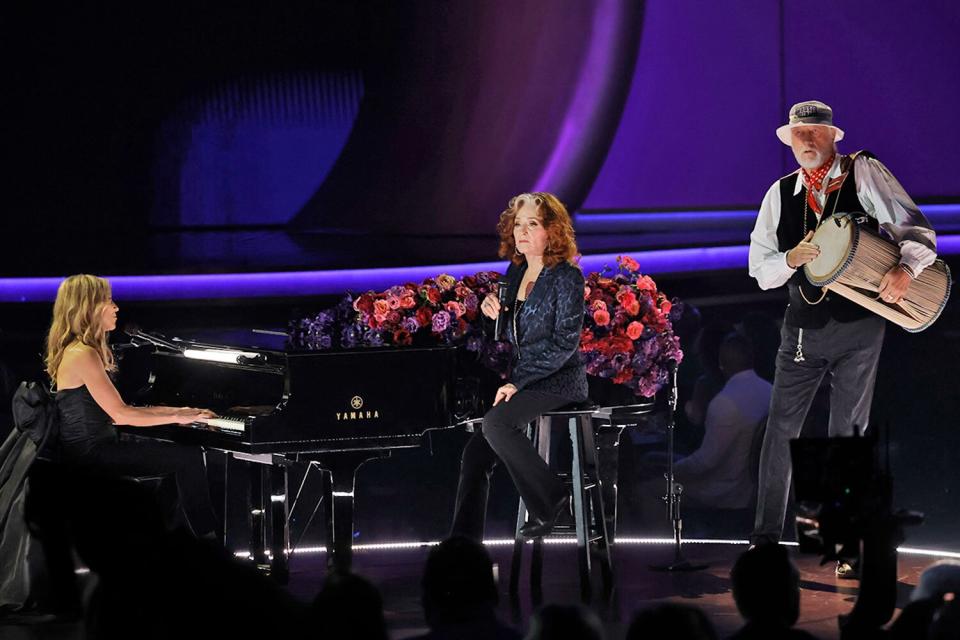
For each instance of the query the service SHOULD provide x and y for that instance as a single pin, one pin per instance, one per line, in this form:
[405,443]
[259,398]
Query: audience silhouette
[459,593]
[671,622]
[564,622]
[766,589]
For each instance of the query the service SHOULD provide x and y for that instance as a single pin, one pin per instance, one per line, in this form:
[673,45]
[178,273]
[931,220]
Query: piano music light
[218,355]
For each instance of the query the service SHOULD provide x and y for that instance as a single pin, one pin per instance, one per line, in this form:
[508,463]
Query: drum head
[836,238]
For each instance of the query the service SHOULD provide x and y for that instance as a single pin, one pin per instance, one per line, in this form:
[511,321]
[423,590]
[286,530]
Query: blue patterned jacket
[547,353]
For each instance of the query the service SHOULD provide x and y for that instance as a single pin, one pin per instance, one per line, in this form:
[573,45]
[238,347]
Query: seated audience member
[720,474]
[934,594]
[671,622]
[145,581]
[560,622]
[764,335]
[706,349]
[459,593]
[766,588]
[348,607]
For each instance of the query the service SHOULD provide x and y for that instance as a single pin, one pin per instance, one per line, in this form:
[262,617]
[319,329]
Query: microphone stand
[674,489]
[137,334]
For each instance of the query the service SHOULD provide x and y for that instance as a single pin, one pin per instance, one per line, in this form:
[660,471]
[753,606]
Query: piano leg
[279,523]
[338,495]
[256,514]
[268,502]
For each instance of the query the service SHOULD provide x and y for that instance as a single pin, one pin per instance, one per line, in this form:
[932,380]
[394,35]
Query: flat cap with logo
[804,114]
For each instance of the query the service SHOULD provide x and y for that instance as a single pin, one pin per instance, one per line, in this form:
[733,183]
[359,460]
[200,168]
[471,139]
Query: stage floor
[397,573]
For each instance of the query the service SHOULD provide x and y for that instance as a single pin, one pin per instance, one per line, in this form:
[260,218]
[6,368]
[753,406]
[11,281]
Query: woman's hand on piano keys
[187,415]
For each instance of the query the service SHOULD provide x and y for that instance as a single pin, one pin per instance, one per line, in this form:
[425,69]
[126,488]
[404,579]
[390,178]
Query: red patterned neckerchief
[814,179]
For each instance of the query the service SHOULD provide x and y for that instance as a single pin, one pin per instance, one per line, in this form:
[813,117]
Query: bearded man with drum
[824,333]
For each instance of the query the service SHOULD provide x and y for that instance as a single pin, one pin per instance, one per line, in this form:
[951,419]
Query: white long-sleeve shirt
[882,197]
[718,474]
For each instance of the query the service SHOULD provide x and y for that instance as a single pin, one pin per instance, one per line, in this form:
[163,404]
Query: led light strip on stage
[295,284]
[503,542]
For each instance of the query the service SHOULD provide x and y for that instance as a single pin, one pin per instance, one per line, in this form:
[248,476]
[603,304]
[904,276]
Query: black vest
[801,313]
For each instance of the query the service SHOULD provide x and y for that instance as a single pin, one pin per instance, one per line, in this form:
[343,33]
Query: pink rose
[601,317]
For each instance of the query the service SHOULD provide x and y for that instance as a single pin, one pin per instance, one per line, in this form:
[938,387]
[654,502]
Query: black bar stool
[588,509]
[610,422]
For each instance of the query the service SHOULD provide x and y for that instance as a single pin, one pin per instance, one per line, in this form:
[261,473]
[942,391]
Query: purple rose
[350,336]
[441,321]
[410,324]
[373,339]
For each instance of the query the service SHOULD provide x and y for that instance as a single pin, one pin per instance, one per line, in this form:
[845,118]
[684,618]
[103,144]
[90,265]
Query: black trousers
[145,457]
[849,351]
[503,437]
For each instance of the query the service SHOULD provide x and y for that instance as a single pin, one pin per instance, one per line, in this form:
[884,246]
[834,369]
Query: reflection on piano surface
[338,409]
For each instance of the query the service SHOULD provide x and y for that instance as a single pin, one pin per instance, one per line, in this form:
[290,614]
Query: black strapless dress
[88,439]
[83,424]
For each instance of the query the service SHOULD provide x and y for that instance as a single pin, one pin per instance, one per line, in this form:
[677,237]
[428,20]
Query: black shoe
[537,528]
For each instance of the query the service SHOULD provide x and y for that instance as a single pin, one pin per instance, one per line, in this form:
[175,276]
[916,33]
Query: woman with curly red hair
[544,315]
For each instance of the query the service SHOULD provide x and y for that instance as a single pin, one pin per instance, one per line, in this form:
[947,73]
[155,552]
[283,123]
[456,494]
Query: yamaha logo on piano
[356,404]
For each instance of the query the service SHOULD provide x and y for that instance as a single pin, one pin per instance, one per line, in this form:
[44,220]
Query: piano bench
[162,487]
[583,478]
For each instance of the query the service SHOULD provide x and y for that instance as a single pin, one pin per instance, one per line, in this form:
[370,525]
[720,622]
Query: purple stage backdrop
[713,81]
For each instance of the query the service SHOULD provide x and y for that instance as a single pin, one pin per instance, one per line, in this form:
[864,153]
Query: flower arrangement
[441,310]
[627,333]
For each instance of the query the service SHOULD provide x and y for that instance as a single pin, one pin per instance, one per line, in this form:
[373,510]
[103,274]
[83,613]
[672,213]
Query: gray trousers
[849,351]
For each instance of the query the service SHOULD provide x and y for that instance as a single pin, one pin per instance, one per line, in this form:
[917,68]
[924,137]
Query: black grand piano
[278,407]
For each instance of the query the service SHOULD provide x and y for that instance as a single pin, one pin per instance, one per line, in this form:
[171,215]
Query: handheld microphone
[502,286]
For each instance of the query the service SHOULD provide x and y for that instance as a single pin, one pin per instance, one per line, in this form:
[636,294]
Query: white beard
[813,163]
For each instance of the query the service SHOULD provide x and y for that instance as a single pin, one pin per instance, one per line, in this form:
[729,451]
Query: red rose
[455,308]
[433,295]
[364,303]
[623,376]
[424,316]
[601,317]
[616,344]
[634,330]
[628,263]
[402,337]
[646,283]
[394,317]
[407,302]
[626,299]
